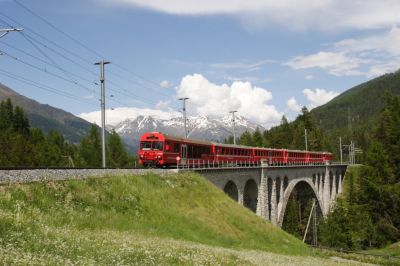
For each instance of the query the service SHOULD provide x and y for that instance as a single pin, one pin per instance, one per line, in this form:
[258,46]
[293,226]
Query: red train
[160,150]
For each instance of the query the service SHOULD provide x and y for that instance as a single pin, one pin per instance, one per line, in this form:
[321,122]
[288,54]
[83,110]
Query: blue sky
[262,58]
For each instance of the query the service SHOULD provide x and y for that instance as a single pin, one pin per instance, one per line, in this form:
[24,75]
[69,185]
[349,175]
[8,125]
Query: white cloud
[312,14]
[207,98]
[120,114]
[367,56]
[165,84]
[308,77]
[163,105]
[293,105]
[335,63]
[318,97]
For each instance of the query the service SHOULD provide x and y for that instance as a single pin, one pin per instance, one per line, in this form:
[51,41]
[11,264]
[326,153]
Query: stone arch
[319,182]
[289,191]
[250,196]
[314,179]
[231,190]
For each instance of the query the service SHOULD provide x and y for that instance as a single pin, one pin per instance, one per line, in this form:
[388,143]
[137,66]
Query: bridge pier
[275,184]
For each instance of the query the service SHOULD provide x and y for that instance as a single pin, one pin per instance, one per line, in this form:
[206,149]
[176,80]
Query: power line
[31,39]
[85,46]
[145,100]
[57,29]
[45,38]
[44,61]
[43,86]
[45,71]
[72,81]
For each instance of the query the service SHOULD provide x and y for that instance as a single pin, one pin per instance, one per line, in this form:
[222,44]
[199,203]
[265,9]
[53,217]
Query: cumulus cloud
[367,56]
[335,63]
[117,115]
[207,98]
[293,105]
[318,97]
[165,84]
[314,14]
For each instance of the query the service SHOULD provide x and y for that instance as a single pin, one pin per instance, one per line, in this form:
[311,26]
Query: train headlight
[159,156]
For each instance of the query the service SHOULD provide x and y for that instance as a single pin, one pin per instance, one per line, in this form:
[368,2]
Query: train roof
[205,142]
[181,139]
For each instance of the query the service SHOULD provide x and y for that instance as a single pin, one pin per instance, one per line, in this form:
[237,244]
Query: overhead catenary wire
[72,81]
[46,62]
[44,71]
[125,93]
[43,86]
[91,50]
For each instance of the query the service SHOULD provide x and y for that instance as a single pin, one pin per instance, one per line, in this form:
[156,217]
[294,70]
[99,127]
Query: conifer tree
[116,152]
[90,149]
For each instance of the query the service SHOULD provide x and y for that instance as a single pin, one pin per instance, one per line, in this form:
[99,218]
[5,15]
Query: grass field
[143,220]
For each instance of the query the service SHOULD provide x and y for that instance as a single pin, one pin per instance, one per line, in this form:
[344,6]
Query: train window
[190,151]
[176,147]
[145,145]
[157,145]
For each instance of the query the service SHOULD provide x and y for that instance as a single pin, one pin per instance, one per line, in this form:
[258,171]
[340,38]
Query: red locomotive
[160,150]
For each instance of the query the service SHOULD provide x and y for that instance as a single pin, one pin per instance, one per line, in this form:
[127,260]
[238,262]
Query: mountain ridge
[47,117]
[199,127]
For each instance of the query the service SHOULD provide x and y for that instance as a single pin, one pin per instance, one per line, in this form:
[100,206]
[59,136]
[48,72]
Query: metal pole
[309,219]
[3,32]
[183,99]
[305,137]
[233,122]
[103,112]
[350,153]
[341,152]
[315,232]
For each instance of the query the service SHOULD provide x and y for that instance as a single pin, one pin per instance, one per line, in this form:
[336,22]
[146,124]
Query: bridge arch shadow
[250,195]
[231,190]
[306,186]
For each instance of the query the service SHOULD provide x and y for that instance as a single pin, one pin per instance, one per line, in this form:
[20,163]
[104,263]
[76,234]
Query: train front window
[157,145]
[145,145]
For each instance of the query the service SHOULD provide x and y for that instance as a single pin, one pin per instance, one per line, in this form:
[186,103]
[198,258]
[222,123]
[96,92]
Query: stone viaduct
[266,189]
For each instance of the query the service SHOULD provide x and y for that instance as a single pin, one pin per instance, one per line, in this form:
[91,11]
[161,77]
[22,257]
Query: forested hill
[361,103]
[47,117]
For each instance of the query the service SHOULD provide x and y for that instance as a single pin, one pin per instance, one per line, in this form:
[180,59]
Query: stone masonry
[275,185]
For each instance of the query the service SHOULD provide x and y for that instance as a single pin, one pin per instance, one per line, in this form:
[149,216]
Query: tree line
[25,146]
[369,213]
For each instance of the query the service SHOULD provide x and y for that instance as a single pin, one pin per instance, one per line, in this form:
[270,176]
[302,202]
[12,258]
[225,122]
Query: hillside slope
[363,103]
[46,117]
[175,219]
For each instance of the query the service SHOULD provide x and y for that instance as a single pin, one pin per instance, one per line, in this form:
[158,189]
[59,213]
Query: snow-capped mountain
[199,127]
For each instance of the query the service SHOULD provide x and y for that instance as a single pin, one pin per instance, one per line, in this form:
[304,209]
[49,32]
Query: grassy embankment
[176,219]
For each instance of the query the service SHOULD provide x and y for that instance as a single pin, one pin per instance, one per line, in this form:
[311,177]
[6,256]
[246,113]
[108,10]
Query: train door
[183,153]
